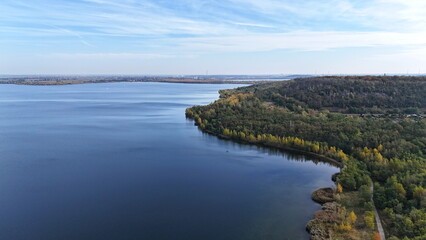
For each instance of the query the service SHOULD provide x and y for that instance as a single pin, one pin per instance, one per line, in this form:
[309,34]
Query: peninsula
[373,126]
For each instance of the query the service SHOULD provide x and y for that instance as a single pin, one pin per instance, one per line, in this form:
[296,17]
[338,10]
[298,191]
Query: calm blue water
[120,161]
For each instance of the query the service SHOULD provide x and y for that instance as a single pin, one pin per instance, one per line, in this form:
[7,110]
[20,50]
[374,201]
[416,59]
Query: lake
[120,161]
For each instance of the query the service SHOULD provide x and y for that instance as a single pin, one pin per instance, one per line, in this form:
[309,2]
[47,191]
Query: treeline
[363,94]
[390,151]
[246,113]
[320,148]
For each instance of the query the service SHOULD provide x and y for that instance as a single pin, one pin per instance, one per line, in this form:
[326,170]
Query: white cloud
[302,40]
[148,29]
[411,43]
[252,25]
[117,56]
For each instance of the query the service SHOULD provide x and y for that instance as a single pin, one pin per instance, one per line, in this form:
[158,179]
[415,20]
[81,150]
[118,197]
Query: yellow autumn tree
[316,148]
[419,193]
[297,141]
[352,217]
[341,155]
[399,189]
[226,132]
[252,138]
[378,157]
[339,188]
[345,227]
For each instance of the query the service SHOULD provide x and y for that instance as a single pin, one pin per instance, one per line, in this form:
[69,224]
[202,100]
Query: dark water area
[120,161]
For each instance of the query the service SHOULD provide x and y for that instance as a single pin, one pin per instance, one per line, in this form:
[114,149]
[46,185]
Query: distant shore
[77,79]
[73,82]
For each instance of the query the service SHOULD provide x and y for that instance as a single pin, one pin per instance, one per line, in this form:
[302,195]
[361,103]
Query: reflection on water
[120,161]
[288,155]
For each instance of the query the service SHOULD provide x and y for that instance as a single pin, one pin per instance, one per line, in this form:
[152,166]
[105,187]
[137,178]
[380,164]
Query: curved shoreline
[315,117]
[289,149]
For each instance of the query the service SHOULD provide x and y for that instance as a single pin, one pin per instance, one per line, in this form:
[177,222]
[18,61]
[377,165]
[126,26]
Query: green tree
[369,219]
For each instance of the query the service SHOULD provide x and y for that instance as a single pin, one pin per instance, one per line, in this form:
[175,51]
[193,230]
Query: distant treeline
[363,94]
[81,79]
[311,115]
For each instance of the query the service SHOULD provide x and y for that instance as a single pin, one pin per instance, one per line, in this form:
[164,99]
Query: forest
[374,126]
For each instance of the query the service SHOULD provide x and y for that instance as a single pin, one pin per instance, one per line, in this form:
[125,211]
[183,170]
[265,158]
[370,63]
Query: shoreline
[35,82]
[324,196]
[294,150]
[288,149]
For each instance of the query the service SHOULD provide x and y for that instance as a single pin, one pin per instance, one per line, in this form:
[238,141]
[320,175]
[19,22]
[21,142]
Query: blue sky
[221,37]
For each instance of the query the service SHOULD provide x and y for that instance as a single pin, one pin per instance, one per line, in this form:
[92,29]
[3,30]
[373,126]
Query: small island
[373,127]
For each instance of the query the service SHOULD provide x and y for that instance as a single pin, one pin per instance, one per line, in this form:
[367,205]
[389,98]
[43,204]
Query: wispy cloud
[116,56]
[148,29]
[73,34]
[252,24]
[303,41]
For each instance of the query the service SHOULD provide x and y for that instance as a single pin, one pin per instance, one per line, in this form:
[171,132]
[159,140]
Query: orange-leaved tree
[376,236]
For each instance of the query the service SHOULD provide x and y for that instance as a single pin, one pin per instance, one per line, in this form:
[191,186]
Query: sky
[152,37]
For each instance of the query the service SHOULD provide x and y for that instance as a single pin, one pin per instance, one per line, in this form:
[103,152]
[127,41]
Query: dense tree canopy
[384,141]
[363,94]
